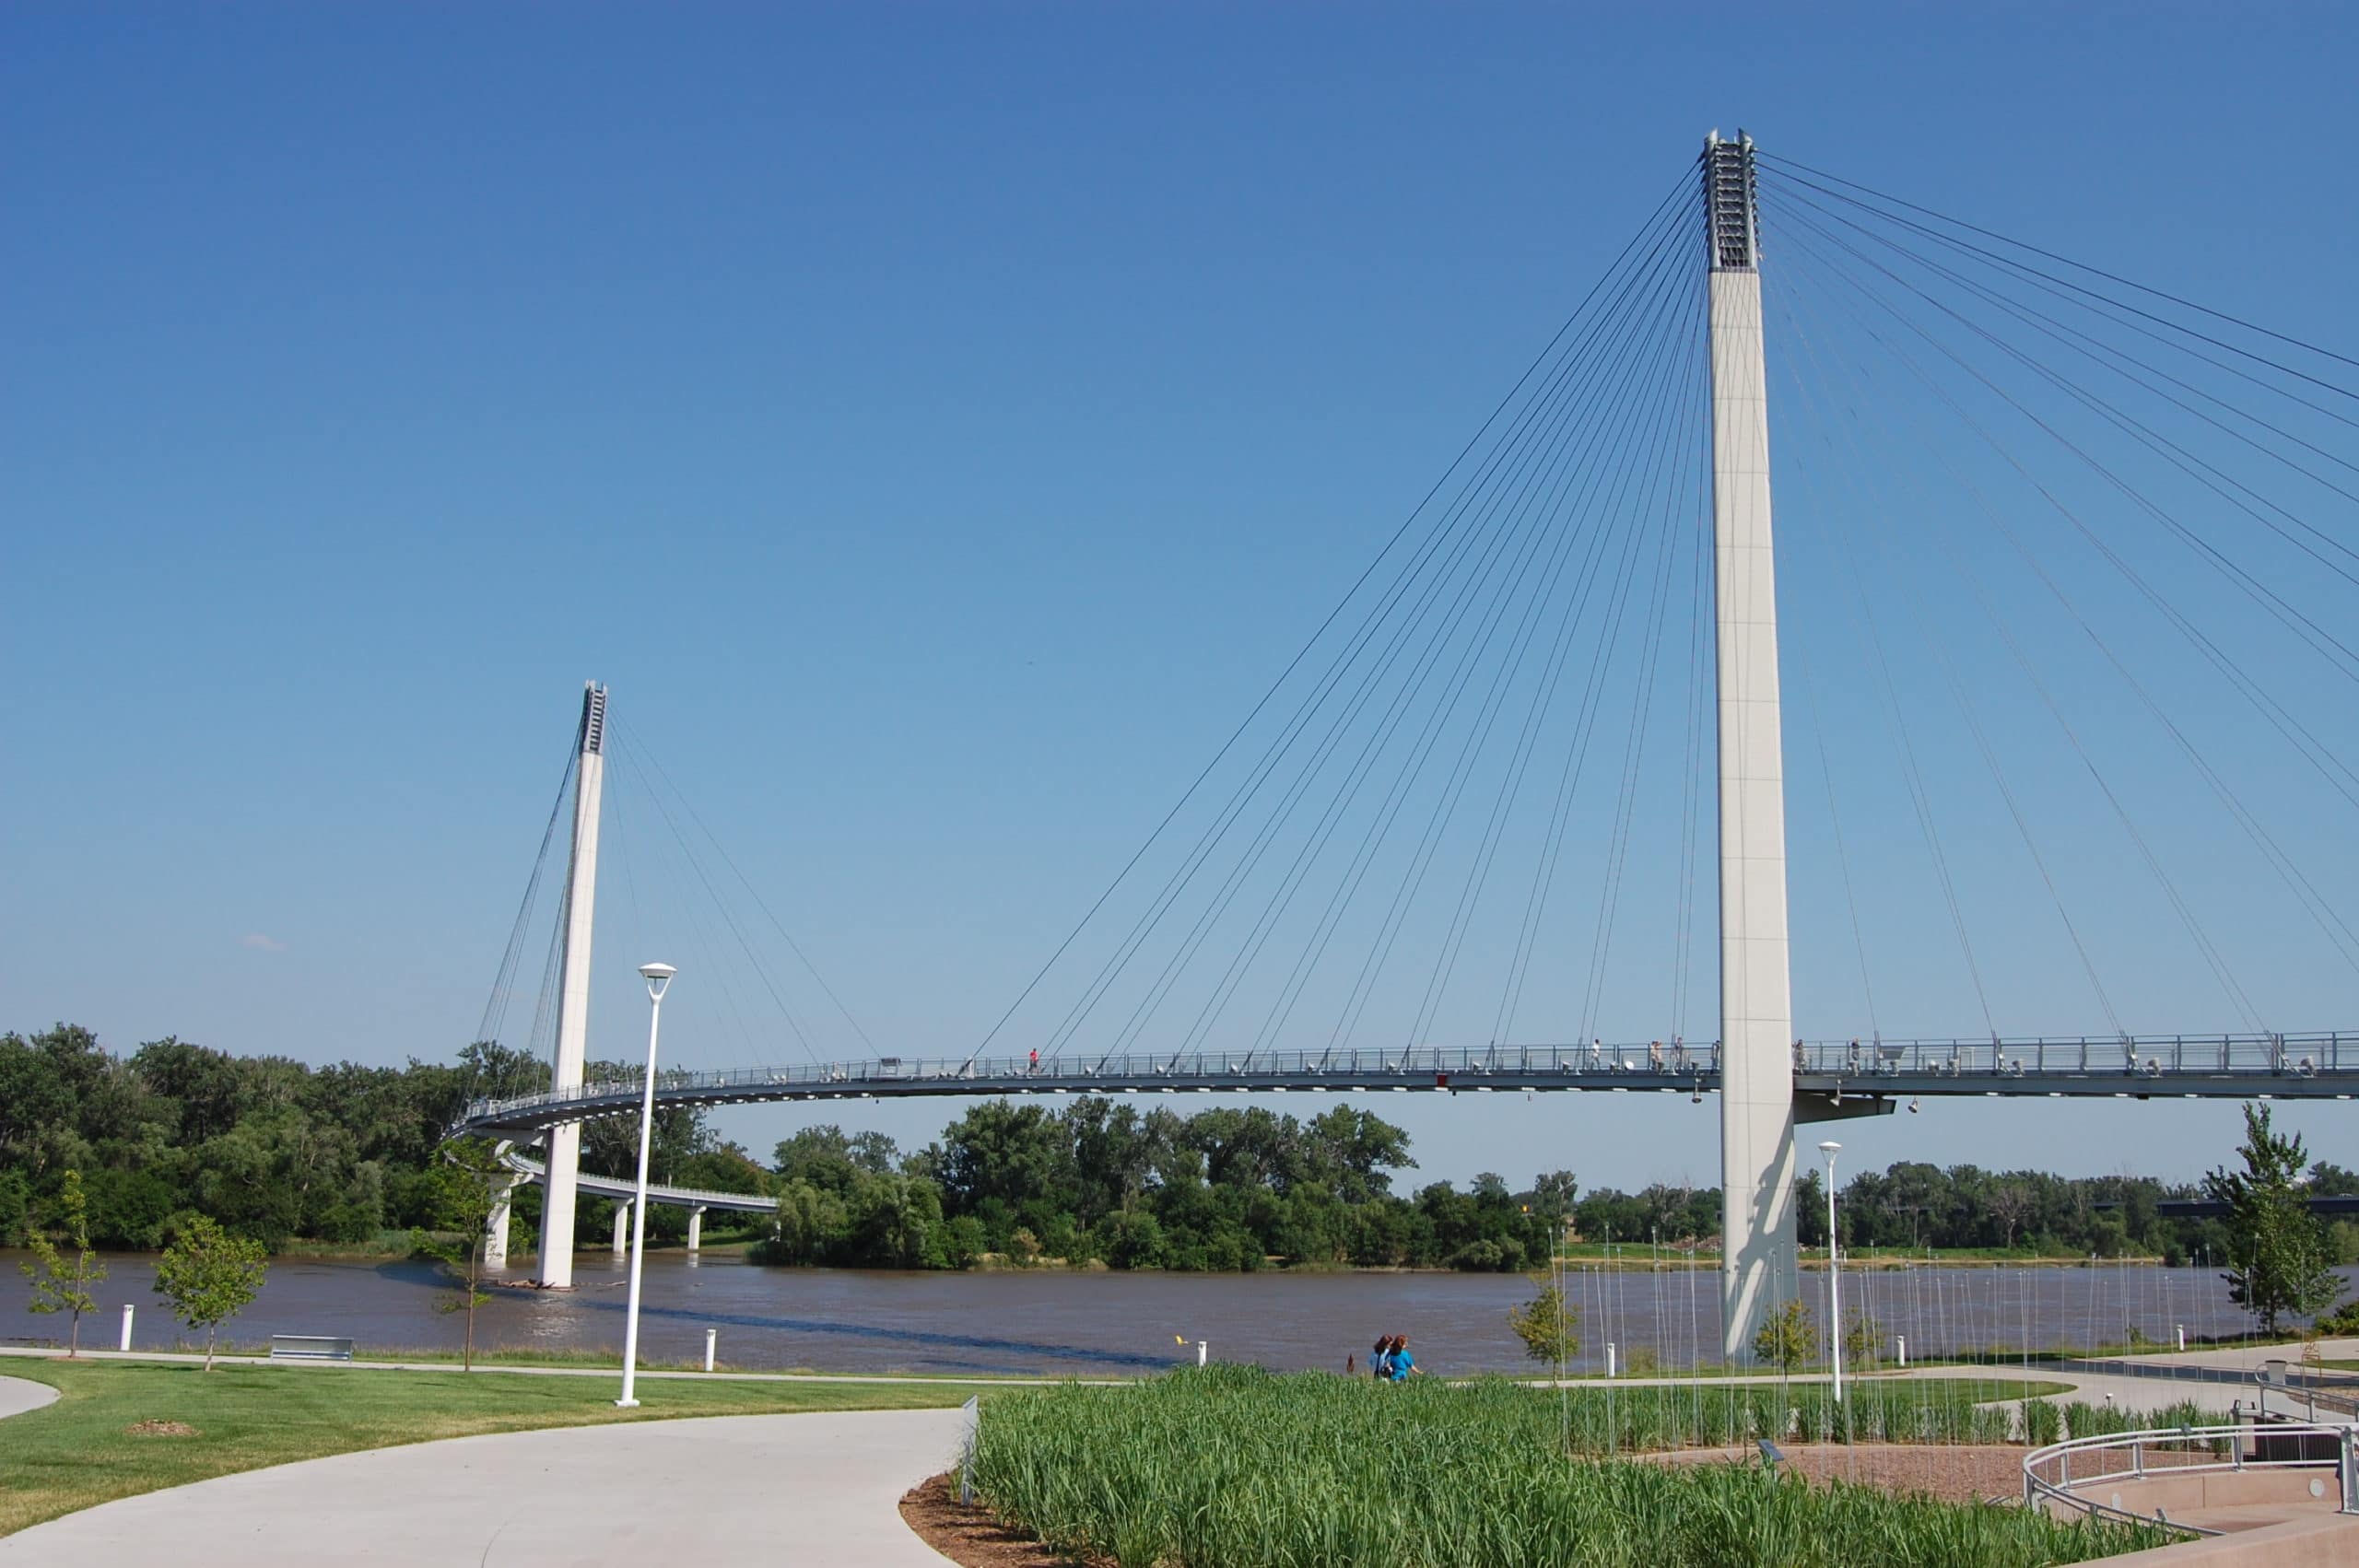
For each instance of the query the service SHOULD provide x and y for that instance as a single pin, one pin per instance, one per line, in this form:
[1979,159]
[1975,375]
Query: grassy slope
[77,1452]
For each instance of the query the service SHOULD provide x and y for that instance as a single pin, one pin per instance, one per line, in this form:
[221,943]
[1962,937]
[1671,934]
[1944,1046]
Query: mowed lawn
[81,1450]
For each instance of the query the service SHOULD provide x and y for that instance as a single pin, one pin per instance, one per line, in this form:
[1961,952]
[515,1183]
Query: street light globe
[1829,1147]
[665,971]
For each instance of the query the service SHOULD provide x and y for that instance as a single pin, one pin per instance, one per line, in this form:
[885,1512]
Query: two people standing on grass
[1391,1359]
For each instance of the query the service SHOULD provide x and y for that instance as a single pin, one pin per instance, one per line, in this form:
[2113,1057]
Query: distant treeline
[289,1153]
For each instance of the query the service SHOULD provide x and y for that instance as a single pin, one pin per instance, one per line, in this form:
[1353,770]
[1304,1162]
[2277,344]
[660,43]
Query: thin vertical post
[1756,1008]
[656,984]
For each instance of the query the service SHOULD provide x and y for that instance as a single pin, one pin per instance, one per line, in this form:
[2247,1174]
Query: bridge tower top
[593,719]
[1729,195]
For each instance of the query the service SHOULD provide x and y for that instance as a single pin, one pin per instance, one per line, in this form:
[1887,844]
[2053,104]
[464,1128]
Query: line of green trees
[1225,1190]
[347,1156]
[276,1150]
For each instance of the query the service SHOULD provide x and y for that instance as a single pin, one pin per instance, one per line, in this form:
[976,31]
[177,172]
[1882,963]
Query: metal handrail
[1676,1064]
[2039,1490]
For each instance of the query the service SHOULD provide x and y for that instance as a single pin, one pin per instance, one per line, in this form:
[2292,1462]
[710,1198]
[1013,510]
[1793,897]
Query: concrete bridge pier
[573,995]
[622,1230]
[495,1226]
[696,1227]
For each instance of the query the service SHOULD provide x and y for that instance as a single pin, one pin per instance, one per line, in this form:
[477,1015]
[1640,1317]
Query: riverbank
[120,1428]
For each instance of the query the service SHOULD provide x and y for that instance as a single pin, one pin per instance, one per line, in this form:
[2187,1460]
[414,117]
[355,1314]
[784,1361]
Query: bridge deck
[626,1190]
[2309,1066]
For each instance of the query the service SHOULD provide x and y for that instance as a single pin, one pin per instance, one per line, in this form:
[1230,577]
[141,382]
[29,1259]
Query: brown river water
[1052,1323]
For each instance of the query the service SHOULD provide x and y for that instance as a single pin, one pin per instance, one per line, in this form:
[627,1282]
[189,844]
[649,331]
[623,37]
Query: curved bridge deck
[624,1189]
[1831,1078]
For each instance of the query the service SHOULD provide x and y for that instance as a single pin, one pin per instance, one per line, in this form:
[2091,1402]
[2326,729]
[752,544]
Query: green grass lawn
[80,1451]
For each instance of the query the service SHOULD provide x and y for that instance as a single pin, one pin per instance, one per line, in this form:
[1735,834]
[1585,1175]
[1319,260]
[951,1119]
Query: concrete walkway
[18,1395]
[715,1493]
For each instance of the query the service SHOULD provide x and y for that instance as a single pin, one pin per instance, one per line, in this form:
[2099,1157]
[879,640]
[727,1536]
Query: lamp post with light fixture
[659,977]
[1833,1271]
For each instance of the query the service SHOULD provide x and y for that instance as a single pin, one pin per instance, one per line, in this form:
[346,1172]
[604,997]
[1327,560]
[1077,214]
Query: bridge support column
[1757,1266]
[495,1227]
[622,1229]
[696,1227]
[573,995]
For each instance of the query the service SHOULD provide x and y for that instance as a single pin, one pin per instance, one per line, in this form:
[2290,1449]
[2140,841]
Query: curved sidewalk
[18,1395]
[714,1492]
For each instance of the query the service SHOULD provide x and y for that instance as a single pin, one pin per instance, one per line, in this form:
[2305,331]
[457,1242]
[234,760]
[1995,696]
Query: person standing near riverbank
[1401,1363]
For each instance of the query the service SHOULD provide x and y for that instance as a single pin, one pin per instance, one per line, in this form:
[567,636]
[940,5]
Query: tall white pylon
[573,996]
[1757,1268]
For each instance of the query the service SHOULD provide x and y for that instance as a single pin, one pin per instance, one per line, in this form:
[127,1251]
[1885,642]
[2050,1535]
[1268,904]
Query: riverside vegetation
[1234,1465]
[349,1157]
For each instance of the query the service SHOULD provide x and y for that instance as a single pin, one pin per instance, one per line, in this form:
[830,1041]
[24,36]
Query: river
[1094,1323]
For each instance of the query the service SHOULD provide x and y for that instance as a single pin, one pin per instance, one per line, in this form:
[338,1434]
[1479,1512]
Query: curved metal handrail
[2039,1490]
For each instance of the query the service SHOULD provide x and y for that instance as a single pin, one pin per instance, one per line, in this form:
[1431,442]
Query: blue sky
[939,425]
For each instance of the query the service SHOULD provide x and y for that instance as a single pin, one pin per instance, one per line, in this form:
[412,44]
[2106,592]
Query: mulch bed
[970,1536]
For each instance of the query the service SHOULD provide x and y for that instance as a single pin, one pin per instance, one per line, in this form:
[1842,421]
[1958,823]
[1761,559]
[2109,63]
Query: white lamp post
[1834,1270]
[658,975]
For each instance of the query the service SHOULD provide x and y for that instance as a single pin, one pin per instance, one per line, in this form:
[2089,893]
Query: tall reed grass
[1237,1468]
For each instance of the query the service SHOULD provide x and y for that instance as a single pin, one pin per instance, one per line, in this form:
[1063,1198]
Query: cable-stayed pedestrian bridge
[1831,1078]
[2067,562]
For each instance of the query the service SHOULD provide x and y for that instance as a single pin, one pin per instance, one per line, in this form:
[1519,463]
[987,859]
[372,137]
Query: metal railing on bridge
[2251,1064]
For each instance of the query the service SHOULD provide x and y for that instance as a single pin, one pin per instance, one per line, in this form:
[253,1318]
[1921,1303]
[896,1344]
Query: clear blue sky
[938,424]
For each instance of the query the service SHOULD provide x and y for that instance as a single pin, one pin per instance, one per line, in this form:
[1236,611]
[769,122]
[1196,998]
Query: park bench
[309,1347]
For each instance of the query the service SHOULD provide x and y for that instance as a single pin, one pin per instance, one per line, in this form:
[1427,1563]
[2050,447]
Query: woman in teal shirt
[1403,1363]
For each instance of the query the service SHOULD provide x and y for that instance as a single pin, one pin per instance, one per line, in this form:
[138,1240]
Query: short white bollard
[1200,1353]
[1609,1358]
[2182,1336]
[125,1344]
[710,1336]
[1900,1343]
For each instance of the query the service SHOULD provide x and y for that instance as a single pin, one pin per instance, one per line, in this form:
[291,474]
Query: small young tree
[59,1285]
[2279,1262]
[209,1276]
[470,1183]
[1863,1341]
[1787,1339]
[1549,1327]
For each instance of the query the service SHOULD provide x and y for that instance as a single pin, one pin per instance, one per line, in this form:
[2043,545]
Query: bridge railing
[2131,1055]
[1083,1071]
[1671,1063]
